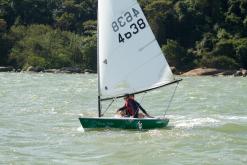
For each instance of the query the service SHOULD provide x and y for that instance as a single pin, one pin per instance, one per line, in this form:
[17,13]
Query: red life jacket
[129,109]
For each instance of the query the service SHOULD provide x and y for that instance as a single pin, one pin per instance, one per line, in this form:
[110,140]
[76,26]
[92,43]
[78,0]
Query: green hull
[124,123]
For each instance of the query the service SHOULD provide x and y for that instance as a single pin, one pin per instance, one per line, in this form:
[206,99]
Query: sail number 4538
[135,29]
[125,19]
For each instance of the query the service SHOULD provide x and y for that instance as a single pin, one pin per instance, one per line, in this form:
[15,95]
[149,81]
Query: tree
[220,62]
[72,13]
[90,53]
[40,45]
[241,52]
[162,19]
[176,55]
[57,33]
[235,17]
[33,11]
[4,45]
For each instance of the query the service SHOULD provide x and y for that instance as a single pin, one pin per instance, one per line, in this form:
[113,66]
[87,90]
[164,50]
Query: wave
[195,122]
[239,118]
[232,128]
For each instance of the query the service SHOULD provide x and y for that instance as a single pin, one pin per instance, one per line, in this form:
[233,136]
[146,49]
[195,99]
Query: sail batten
[130,58]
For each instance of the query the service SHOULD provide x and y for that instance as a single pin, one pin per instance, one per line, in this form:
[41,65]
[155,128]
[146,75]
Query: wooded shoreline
[193,72]
[60,33]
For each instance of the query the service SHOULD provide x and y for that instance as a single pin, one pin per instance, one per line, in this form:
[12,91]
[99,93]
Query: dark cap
[126,96]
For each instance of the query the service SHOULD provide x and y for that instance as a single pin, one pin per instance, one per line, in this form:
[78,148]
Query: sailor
[136,107]
[131,108]
[127,110]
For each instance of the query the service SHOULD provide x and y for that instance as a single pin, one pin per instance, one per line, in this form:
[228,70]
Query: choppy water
[39,123]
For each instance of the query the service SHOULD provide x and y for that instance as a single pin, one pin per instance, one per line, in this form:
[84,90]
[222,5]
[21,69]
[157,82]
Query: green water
[39,123]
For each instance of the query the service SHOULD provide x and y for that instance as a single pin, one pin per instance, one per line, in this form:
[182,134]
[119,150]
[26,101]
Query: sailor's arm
[122,108]
[144,111]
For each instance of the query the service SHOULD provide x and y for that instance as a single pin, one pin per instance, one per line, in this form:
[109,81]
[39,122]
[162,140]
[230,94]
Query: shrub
[220,62]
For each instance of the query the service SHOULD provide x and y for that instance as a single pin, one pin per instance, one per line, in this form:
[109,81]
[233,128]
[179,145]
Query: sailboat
[130,61]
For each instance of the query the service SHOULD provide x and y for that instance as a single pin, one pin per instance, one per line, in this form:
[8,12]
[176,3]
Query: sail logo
[134,28]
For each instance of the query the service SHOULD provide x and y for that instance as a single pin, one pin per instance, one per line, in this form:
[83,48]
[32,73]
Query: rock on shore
[241,72]
[35,69]
[61,70]
[208,72]
[6,69]
[194,72]
[71,70]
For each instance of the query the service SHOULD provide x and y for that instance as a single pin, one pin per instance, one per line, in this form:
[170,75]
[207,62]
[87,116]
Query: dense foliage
[58,33]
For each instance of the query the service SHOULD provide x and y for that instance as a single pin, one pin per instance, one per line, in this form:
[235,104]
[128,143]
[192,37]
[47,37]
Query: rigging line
[143,96]
[170,101]
[108,107]
[141,102]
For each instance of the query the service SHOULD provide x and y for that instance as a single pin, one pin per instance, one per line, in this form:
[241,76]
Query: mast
[98,70]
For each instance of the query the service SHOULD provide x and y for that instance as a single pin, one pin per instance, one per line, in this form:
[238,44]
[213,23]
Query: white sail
[130,59]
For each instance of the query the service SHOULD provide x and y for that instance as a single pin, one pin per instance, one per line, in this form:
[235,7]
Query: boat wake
[233,118]
[212,121]
[196,122]
[80,129]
